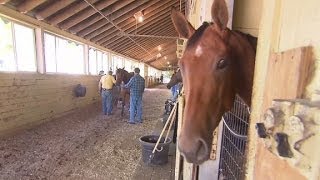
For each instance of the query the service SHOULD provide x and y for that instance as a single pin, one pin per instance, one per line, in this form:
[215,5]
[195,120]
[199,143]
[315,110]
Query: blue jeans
[174,91]
[106,101]
[135,108]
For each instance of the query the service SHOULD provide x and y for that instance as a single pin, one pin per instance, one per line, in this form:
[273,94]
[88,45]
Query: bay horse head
[217,64]
[175,79]
[122,75]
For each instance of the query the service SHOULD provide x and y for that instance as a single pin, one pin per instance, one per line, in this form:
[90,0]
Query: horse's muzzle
[194,151]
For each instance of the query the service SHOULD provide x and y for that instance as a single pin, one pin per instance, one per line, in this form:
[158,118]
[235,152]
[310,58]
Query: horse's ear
[219,13]
[181,24]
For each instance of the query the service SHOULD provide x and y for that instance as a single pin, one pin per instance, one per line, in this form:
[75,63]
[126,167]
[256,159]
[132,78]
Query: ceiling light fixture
[165,57]
[159,48]
[158,55]
[139,16]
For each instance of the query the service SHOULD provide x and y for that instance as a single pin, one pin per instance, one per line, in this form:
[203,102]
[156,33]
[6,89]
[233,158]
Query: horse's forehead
[210,43]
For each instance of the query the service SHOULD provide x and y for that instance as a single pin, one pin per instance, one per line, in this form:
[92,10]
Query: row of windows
[17,53]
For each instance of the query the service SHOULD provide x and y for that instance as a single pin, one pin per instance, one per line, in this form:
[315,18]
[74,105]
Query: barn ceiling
[111,24]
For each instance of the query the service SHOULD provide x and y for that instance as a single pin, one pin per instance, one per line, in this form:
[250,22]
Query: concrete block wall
[31,98]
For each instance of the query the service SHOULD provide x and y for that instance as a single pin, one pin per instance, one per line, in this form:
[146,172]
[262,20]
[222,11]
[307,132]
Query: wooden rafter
[118,17]
[130,28]
[115,41]
[107,41]
[75,8]
[53,8]
[117,20]
[110,6]
[27,6]
[146,40]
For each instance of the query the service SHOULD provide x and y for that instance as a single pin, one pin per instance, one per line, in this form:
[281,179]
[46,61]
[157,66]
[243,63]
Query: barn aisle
[81,145]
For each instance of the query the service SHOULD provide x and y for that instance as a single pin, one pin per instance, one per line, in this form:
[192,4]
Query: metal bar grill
[233,145]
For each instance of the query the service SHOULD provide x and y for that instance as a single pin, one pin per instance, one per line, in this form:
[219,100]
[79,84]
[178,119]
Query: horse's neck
[244,47]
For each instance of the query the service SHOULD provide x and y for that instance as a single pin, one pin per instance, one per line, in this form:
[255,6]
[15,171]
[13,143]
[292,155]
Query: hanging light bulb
[139,16]
[140,19]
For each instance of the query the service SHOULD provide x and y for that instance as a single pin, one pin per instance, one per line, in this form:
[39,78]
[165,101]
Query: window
[17,47]
[117,62]
[105,62]
[62,55]
[25,48]
[50,52]
[128,65]
[99,60]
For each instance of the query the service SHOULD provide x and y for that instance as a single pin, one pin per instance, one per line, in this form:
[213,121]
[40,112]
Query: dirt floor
[85,145]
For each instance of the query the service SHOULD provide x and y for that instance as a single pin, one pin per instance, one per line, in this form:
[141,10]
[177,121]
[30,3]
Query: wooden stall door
[286,79]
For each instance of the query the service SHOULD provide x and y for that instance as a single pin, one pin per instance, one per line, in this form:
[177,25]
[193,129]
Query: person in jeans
[105,89]
[136,86]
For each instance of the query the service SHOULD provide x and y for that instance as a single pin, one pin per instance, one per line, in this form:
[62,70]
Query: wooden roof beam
[153,44]
[53,8]
[75,8]
[163,46]
[146,44]
[100,33]
[110,6]
[132,26]
[151,21]
[27,6]
[164,51]
[117,40]
[145,40]
[170,59]
[129,8]
[132,8]
[163,54]
[134,53]
[139,56]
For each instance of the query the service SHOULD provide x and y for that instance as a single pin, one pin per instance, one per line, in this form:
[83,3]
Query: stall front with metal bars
[234,140]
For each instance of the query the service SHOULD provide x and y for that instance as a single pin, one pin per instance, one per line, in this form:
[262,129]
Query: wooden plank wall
[285,24]
[287,72]
[32,98]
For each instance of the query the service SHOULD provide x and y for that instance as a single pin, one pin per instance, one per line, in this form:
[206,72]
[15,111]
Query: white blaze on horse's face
[199,51]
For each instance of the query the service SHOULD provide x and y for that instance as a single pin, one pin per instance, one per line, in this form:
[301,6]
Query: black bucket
[159,157]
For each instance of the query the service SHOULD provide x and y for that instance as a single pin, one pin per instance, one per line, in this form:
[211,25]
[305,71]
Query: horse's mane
[251,39]
[197,34]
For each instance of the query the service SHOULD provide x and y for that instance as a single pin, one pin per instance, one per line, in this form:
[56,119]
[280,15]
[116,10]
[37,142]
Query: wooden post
[39,37]
[86,59]
[178,155]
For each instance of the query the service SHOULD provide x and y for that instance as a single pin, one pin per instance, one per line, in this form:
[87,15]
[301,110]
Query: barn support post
[39,40]
[179,162]
[86,59]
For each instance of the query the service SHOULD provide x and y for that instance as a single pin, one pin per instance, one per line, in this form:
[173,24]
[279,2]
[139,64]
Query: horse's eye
[222,64]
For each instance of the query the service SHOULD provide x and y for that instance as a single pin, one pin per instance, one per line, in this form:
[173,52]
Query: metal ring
[159,150]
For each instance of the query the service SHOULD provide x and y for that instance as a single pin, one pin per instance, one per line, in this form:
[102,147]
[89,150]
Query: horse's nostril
[202,151]
[195,151]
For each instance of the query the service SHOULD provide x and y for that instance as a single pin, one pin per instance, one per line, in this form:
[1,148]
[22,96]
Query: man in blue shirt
[136,85]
